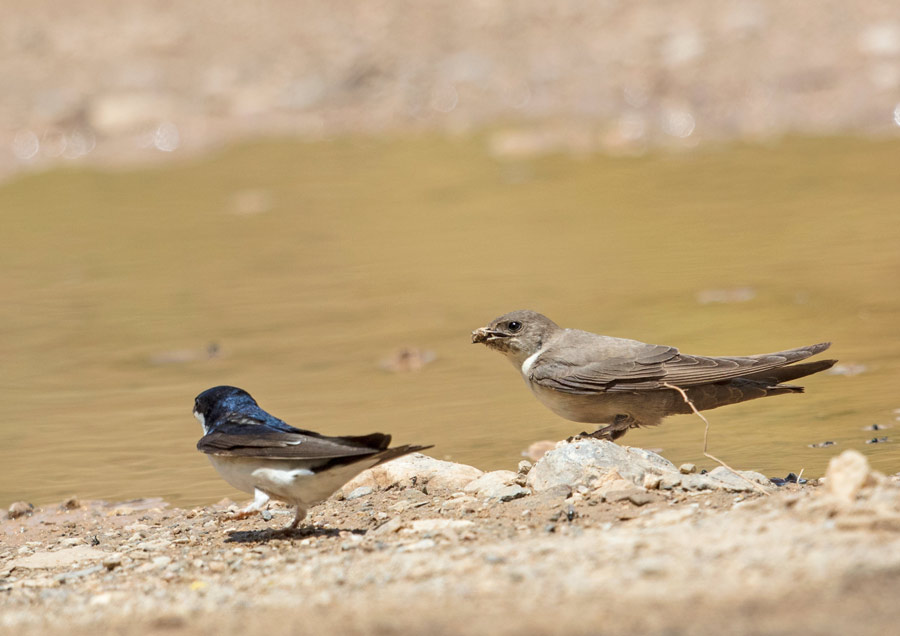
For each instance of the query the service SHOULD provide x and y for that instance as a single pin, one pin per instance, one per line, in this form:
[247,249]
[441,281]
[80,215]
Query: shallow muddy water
[293,269]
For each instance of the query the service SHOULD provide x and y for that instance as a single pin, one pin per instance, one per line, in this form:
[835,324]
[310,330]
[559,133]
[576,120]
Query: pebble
[687,469]
[822,444]
[19,508]
[847,474]
[112,561]
[424,544]
[362,491]
[71,503]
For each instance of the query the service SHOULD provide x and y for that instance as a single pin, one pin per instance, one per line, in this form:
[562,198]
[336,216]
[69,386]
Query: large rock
[589,461]
[415,470]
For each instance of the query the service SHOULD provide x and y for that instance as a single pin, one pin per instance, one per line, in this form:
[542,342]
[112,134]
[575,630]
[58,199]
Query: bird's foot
[259,503]
[299,516]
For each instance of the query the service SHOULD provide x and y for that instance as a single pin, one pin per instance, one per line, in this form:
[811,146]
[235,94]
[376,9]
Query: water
[306,264]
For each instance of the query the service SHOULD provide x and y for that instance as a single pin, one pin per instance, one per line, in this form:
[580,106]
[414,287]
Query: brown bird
[586,377]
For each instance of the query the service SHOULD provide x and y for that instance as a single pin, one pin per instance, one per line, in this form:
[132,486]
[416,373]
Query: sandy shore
[404,558]
[86,81]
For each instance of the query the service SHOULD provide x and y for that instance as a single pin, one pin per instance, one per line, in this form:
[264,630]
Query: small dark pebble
[19,508]
[790,479]
[822,444]
[877,440]
[71,503]
[704,471]
[550,527]
[570,512]
[95,540]
[875,427]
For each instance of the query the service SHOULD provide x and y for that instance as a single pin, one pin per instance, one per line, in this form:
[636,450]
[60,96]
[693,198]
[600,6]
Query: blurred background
[318,202]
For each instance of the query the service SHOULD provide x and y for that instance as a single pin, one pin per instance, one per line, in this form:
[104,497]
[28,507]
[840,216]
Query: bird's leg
[610,432]
[260,499]
[614,431]
[299,516]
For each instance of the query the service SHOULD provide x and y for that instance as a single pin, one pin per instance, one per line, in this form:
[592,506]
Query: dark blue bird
[260,454]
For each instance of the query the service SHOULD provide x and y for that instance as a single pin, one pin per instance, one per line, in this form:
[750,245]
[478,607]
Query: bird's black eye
[514,326]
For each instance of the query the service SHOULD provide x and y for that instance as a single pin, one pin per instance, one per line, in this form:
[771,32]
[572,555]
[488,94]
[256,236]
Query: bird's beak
[485,335]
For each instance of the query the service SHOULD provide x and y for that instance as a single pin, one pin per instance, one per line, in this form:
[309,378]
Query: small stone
[847,474]
[636,496]
[438,525]
[70,504]
[524,467]
[687,469]
[112,561]
[216,566]
[362,491]
[669,481]
[19,508]
[161,561]
[651,481]
[511,492]
[424,544]
[825,444]
[488,484]
[699,482]
[464,504]
[877,440]
[70,541]
[389,527]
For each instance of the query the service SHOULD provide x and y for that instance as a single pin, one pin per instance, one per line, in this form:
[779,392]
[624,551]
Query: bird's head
[213,403]
[517,334]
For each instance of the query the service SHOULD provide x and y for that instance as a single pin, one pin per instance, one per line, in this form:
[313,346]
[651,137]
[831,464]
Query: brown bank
[593,539]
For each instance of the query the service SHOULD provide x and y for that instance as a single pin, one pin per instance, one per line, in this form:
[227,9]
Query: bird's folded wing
[240,438]
[652,366]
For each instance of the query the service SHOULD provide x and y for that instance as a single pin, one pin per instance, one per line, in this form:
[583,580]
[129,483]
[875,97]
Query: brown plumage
[586,377]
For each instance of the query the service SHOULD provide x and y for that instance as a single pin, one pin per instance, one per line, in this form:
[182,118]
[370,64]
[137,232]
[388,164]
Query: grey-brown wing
[685,370]
[238,440]
[639,366]
[652,366]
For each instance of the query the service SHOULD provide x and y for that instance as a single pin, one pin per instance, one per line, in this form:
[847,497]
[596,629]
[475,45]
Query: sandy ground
[400,560]
[86,80]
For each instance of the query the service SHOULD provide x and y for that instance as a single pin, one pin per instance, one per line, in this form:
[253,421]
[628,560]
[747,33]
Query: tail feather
[790,372]
[399,451]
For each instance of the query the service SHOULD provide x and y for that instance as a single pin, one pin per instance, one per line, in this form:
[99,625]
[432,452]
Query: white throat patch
[529,362]
[202,420]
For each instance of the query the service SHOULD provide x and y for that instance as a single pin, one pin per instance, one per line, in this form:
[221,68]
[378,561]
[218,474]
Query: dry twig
[687,401]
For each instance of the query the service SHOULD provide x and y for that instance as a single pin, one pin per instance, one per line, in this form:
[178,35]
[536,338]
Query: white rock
[738,482]
[61,558]
[362,491]
[437,525]
[847,474]
[588,461]
[415,470]
[488,484]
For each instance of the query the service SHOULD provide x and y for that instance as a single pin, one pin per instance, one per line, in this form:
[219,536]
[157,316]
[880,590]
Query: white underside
[290,481]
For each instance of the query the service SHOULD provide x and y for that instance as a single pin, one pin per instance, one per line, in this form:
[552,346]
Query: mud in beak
[485,335]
